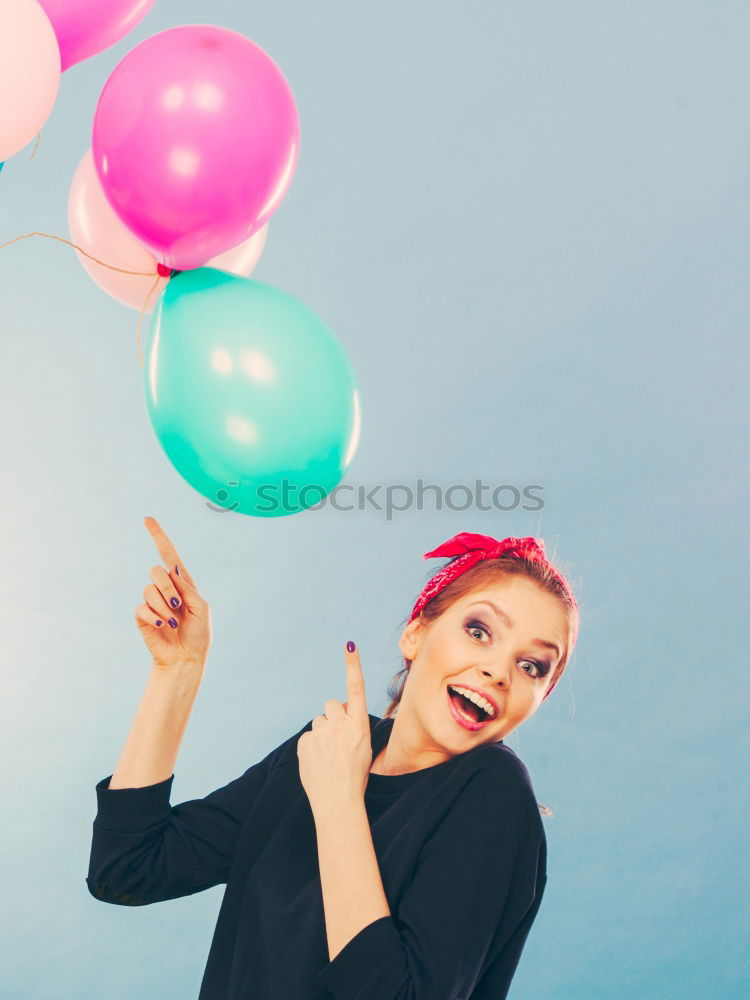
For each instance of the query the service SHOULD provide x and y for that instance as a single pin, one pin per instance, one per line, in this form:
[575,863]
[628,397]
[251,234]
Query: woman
[401,858]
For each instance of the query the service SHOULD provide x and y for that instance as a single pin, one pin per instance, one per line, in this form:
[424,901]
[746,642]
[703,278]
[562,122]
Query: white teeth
[476,698]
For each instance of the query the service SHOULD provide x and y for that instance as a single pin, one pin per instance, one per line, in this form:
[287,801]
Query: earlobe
[407,648]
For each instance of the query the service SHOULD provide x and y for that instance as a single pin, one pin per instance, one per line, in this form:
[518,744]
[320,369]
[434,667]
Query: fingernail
[173,623]
[350,646]
[175,602]
[158,622]
[177,570]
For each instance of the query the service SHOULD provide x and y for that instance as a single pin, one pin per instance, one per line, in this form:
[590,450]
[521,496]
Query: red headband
[470,549]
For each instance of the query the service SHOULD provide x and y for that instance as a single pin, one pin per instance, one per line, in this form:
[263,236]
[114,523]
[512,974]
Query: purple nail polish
[158,622]
[350,646]
[175,602]
[177,570]
[173,623]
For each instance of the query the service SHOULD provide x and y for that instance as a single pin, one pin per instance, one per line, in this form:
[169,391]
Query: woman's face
[508,653]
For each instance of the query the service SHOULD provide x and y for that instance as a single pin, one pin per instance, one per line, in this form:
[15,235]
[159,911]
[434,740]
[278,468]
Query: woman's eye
[474,625]
[541,668]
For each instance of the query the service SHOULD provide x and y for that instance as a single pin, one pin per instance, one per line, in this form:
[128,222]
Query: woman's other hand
[188,641]
[336,754]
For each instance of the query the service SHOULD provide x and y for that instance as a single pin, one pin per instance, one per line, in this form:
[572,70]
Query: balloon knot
[164,271]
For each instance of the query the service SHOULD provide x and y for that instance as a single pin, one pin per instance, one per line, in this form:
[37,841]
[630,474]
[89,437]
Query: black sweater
[460,846]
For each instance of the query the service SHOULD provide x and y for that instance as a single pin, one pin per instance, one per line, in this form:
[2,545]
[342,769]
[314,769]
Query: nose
[498,674]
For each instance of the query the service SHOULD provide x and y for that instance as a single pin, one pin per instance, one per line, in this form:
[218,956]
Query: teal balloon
[251,396]
[1,166]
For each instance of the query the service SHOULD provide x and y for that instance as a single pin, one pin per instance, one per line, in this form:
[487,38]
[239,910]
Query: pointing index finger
[166,549]
[355,683]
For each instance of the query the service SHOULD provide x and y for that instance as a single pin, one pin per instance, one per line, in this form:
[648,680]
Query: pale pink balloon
[85,27]
[29,73]
[242,258]
[95,227]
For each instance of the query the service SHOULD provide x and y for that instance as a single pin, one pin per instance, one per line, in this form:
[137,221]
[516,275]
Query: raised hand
[336,754]
[189,641]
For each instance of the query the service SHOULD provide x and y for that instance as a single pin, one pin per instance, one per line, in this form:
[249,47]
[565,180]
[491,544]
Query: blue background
[528,225]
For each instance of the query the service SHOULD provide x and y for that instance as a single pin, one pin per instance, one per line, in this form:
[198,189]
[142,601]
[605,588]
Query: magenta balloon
[85,27]
[195,141]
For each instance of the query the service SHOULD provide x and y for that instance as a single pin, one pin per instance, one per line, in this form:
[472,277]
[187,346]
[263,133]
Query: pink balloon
[29,73]
[96,229]
[195,141]
[85,27]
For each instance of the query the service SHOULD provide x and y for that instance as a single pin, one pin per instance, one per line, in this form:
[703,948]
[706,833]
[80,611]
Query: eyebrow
[505,618]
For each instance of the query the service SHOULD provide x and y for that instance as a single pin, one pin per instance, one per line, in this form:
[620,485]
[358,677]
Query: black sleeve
[144,850]
[477,878]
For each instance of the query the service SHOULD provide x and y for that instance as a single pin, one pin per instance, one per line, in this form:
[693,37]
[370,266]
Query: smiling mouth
[466,713]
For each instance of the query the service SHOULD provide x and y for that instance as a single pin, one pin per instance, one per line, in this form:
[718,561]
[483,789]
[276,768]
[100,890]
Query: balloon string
[37,146]
[138,328]
[84,252]
[112,267]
